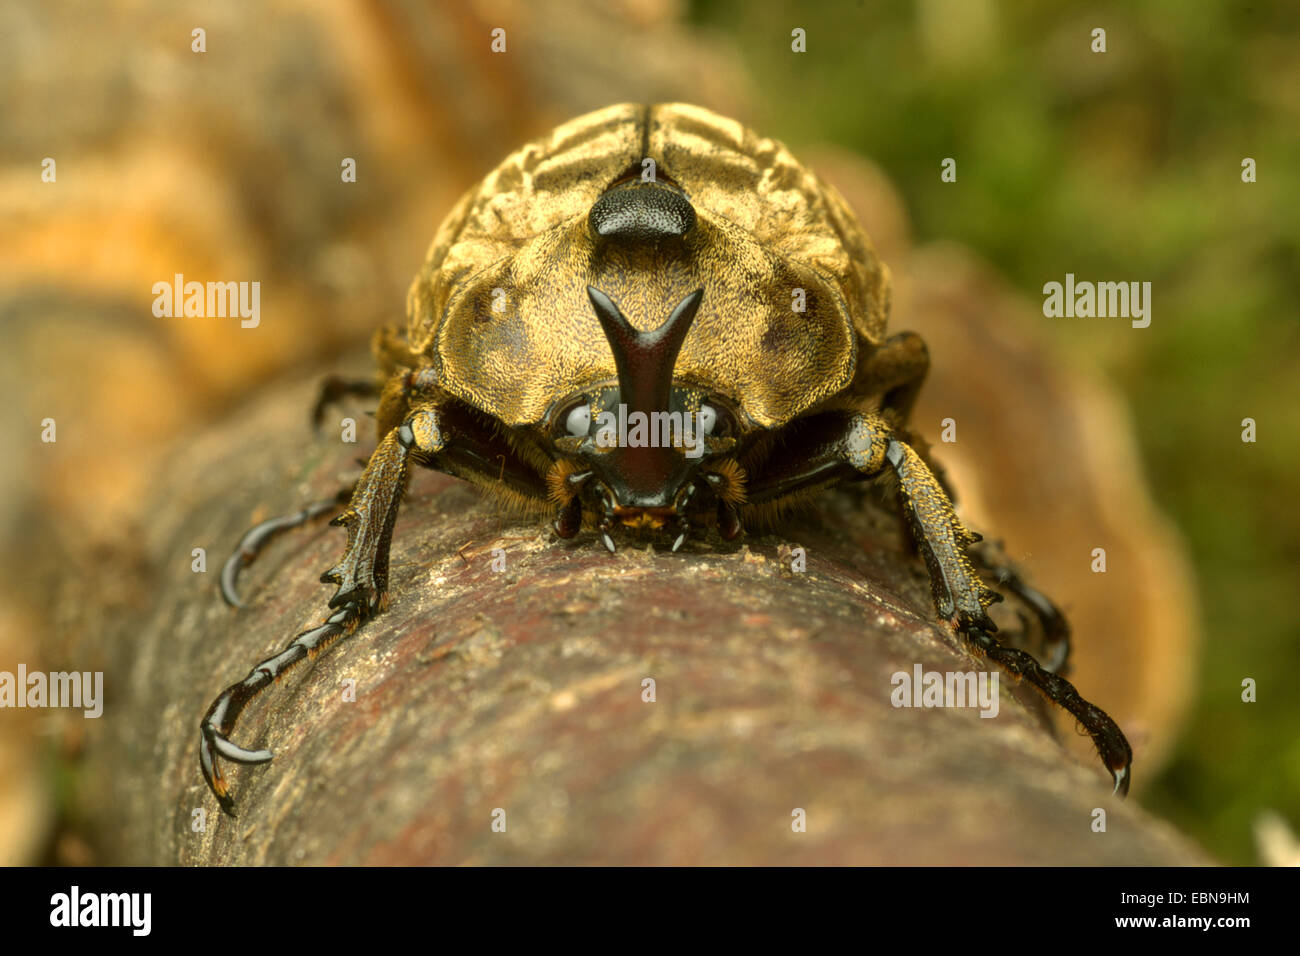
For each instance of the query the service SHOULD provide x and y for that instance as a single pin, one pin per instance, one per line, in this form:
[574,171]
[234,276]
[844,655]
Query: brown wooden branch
[523,690]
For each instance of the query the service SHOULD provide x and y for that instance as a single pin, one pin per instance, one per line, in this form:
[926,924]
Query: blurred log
[523,690]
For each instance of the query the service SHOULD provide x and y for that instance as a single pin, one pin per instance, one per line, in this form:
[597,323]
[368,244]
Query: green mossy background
[1117,166]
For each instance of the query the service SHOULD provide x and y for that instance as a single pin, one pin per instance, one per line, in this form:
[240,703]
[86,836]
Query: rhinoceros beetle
[662,262]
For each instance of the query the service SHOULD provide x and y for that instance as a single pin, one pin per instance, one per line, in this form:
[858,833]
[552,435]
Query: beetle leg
[257,537]
[899,366]
[220,719]
[335,388]
[959,593]
[864,446]
[362,579]
[1055,627]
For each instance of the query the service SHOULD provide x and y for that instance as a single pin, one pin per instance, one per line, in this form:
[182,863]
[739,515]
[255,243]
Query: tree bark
[484,695]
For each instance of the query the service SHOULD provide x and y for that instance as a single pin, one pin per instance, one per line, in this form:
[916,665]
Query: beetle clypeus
[646,260]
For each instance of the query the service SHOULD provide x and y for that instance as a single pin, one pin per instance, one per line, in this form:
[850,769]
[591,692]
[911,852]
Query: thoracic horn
[645,360]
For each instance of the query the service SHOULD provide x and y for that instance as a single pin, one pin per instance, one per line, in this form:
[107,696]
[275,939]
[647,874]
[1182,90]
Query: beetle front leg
[958,592]
[362,579]
[864,446]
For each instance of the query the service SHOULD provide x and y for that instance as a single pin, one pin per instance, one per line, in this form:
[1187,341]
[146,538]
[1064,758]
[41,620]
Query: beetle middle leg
[334,389]
[260,535]
[842,446]
[391,352]
[1052,622]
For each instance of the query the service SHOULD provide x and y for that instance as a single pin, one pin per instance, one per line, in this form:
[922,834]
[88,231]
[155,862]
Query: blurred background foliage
[1122,166]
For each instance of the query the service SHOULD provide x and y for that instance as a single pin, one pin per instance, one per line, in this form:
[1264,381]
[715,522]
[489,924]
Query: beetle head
[645,451]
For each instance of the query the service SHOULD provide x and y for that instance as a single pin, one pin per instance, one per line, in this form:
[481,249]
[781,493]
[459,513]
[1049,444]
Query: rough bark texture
[523,690]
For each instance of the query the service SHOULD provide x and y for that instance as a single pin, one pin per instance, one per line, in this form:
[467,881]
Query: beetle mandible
[642,261]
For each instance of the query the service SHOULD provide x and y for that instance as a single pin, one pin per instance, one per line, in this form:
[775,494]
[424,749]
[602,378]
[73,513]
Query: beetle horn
[645,360]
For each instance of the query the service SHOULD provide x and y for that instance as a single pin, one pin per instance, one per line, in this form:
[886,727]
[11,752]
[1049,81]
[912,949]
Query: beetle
[666,264]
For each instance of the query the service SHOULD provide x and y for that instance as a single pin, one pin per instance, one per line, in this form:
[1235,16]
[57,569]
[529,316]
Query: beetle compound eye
[578,422]
[716,420]
[708,418]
